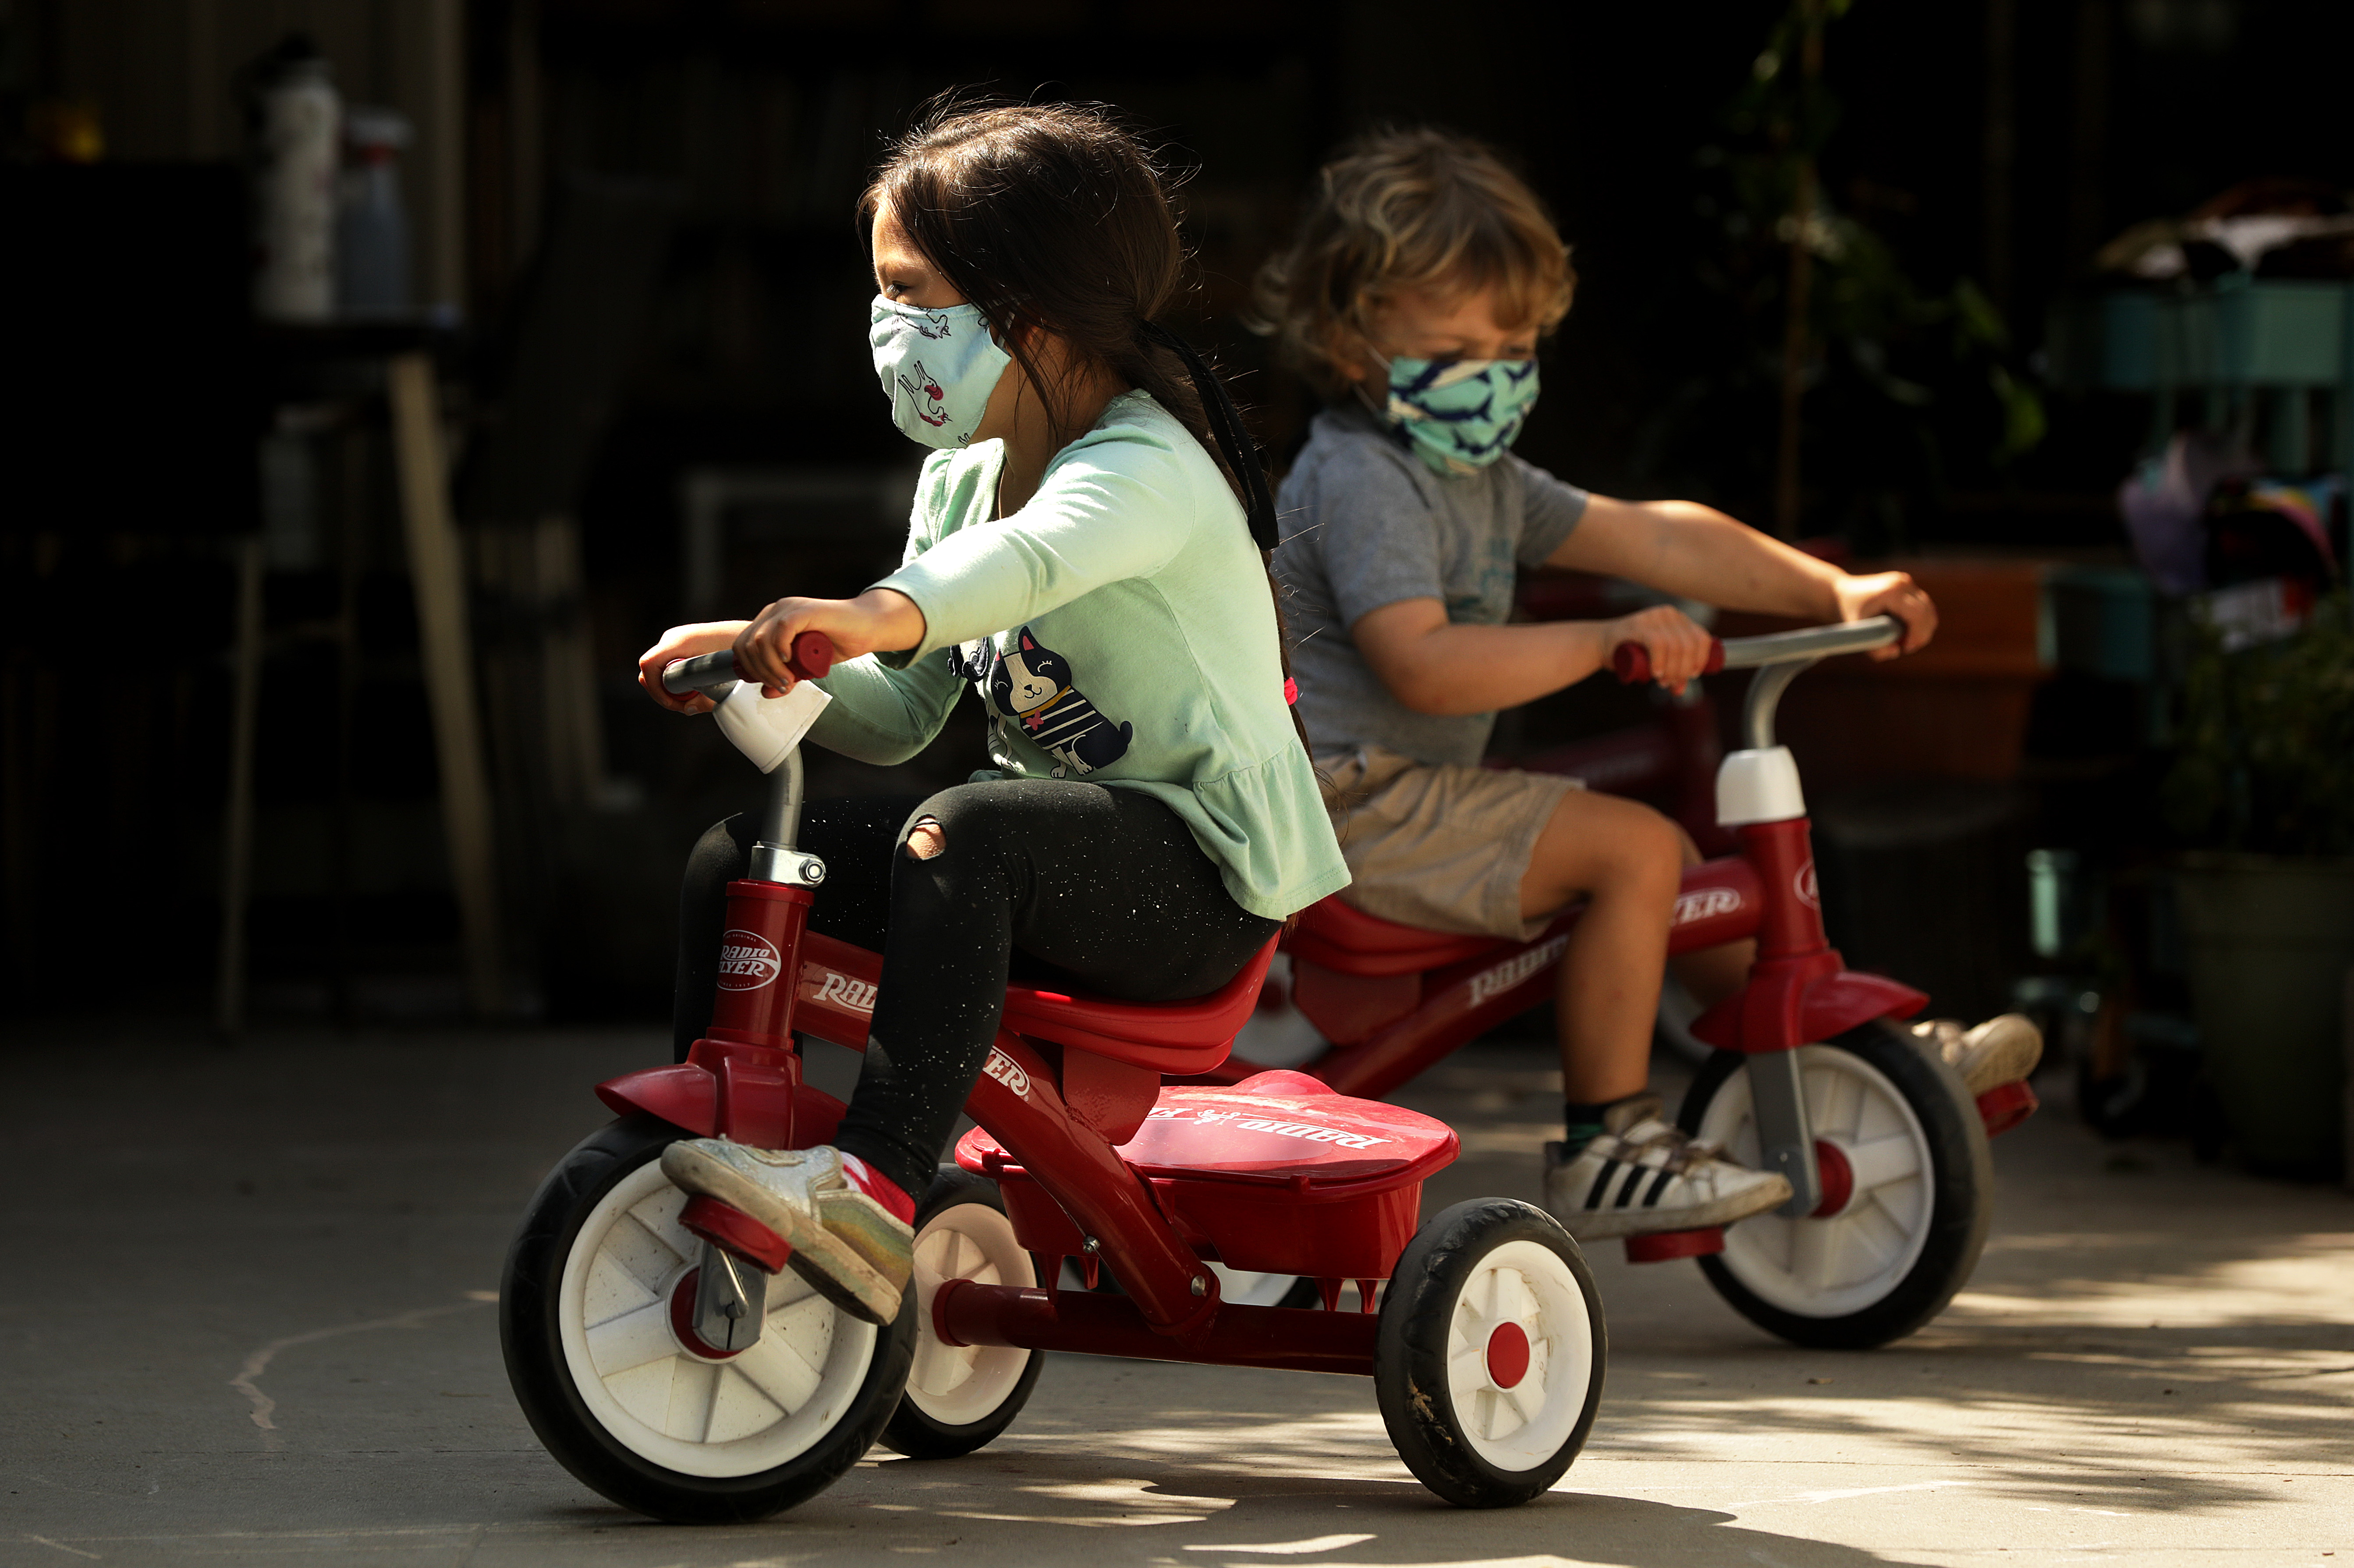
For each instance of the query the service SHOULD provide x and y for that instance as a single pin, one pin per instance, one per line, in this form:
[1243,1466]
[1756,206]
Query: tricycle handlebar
[812,657]
[1631,661]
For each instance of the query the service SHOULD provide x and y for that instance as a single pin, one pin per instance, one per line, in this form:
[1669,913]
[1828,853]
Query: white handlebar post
[1760,782]
[767,731]
[1781,657]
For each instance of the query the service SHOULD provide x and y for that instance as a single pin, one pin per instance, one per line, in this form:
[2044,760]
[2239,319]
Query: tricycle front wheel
[1908,1193]
[594,1319]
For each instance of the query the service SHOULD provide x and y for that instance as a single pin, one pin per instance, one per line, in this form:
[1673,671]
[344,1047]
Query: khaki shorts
[1439,845]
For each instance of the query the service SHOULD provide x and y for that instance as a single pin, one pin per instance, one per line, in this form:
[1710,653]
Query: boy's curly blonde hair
[1402,210]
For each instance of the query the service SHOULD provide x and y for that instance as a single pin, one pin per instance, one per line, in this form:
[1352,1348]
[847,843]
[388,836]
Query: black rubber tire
[530,1336]
[1961,1197]
[1410,1369]
[912,1432]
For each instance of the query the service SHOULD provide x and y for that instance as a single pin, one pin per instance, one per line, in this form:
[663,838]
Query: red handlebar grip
[812,656]
[1631,661]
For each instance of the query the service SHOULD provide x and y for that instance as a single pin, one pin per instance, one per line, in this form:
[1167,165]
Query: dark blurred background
[1847,271]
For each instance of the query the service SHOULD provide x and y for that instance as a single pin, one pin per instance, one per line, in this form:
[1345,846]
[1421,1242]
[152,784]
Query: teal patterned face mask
[1462,414]
[937,367]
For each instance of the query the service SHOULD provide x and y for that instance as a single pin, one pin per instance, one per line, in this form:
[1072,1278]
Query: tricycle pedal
[1662,1247]
[2005,1106]
[737,1232]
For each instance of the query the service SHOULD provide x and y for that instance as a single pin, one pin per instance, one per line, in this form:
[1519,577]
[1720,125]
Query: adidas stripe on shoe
[1644,1175]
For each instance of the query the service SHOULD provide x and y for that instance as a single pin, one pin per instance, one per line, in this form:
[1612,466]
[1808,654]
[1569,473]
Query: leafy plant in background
[2266,762]
[1886,386]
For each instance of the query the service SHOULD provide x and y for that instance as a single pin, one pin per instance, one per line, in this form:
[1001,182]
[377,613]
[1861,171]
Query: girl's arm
[883,716]
[878,716]
[1094,523]
[1697,552]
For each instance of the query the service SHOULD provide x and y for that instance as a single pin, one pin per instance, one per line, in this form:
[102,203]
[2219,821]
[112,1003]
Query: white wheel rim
[697,1417]
[1522,1285]
[1847,1261]
[957,1385]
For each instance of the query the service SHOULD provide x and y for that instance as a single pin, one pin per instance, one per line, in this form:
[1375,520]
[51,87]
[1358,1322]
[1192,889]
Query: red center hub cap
[1508,1355]
[1838,1179]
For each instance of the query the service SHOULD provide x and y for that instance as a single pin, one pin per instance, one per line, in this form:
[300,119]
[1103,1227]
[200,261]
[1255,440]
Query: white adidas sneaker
[1644,1174]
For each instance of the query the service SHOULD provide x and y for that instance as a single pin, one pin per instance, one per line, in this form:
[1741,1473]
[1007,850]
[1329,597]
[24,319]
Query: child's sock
[880,1188]
[1581,1125]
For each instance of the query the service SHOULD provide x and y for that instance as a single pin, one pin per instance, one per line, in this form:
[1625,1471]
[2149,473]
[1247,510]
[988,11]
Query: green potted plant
[2263,786]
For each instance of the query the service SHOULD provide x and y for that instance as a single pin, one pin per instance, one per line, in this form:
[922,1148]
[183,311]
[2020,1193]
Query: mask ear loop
[1377,404]
[1226,428]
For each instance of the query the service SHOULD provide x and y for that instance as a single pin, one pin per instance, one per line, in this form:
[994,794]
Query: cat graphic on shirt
[1032,685]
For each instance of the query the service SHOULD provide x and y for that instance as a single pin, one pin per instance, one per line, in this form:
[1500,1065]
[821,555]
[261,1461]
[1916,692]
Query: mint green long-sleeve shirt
[1116,629]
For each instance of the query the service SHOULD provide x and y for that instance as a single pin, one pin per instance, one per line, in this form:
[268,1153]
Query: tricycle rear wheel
[960,1397]
[1489,1356]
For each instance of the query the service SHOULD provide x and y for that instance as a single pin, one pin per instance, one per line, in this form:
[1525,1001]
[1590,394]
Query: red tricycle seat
[1336,937]
[1176,1038]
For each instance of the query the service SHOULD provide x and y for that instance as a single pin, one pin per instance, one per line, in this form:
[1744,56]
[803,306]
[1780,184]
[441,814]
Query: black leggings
[1053,882]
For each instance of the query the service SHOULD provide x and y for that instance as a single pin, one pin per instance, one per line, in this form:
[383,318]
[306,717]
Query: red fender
[1791,1003]
[765,1104]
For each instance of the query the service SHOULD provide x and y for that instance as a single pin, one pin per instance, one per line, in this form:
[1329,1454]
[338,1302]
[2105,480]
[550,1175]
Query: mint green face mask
[937,367]
[1462,414]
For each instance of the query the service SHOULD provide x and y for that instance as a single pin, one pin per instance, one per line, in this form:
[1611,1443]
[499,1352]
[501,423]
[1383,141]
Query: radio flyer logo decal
[1705,905]
[1513,971]
[748,960]
[1302,1129]
[1007,1071]
[855,995]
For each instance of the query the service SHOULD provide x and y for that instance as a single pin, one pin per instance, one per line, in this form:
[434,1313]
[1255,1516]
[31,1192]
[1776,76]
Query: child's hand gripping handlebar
[1631,661]
[711,673]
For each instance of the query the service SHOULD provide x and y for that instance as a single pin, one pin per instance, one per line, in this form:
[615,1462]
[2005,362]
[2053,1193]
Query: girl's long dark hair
[1055,216]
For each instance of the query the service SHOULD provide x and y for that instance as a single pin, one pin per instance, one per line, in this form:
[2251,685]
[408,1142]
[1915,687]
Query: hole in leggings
[926,840]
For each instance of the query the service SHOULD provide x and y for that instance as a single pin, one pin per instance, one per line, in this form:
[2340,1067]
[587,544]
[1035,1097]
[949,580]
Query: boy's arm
[1697,552]
[1433,666]
[1677,547]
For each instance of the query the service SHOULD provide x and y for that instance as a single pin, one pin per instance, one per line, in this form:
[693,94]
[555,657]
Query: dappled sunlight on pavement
[2153,1364]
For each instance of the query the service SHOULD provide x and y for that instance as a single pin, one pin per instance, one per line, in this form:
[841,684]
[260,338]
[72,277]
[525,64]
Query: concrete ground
[246,1315]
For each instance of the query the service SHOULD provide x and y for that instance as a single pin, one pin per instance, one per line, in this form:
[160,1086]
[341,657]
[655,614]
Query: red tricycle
[666,1356]
[1885,1150]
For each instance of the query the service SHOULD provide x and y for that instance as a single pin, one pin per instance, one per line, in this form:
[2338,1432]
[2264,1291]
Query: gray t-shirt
[1365,523]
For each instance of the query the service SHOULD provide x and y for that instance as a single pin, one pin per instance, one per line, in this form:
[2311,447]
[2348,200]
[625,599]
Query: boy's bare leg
[1626,861]
[1713,973]
[1621,1169]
